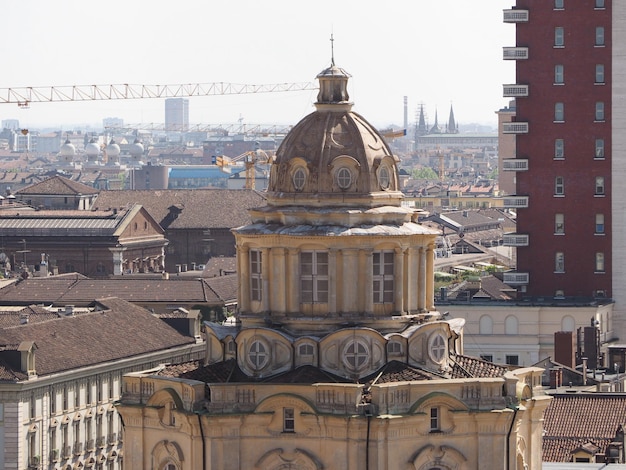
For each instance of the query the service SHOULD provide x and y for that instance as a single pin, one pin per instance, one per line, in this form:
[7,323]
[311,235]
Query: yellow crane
[250,159]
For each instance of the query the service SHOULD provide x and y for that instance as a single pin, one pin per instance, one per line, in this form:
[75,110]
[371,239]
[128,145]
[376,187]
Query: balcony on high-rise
[515,202]
[514,91]
[514,53]
[515,16]
[515,127]
[515,239]
[515,164]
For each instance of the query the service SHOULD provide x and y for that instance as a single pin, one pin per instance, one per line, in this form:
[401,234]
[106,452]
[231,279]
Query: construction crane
[250,159]
[24,96]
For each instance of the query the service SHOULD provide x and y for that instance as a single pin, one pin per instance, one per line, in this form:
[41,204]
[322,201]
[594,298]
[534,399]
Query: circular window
[344,178]
[383,177]
[258,355]
[299,178]
[356,355]
[437,348]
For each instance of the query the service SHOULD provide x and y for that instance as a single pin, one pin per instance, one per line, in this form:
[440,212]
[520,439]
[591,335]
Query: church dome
[334,156]
[136,150]
[113,150]
[67,149]
[92,149]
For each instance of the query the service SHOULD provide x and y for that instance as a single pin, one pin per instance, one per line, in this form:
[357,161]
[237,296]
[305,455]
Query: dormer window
[344,178]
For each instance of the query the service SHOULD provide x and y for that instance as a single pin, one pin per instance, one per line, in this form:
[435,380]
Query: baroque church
[338,358]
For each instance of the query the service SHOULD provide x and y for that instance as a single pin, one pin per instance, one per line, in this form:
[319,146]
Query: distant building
[61,371]
[177,114]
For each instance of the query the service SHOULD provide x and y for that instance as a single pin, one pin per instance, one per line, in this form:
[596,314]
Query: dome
[113,150]
[67,149]
[136,150]
[92,149]
[334,156]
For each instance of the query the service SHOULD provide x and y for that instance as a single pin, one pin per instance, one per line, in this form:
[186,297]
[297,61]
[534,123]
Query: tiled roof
[472,367]
[83,290]
[32,313]
[58,185]
[199,208]
[572,420]
[396,371]
[120,330]
[217,265]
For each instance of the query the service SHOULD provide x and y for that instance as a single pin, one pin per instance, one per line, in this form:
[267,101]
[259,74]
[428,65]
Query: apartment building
[568,122]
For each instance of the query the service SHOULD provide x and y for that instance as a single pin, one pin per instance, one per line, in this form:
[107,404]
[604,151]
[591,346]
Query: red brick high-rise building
[570,161]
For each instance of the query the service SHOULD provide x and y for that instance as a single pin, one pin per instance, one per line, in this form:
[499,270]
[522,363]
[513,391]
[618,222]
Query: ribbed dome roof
[334,156]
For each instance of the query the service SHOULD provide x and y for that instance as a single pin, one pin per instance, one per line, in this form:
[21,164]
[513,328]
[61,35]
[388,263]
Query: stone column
[332,280]
[398,279]
[266,265]
[430,277]
[244,278]
[293,280]
[350,279]
[413,285]
[277,280]
[421,289]
[367,267]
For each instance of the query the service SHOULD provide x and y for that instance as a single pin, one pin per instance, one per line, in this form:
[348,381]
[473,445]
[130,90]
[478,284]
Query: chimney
[556,377]
[27,356]
[584,371]
[23,318]
[564,352]
[69,310]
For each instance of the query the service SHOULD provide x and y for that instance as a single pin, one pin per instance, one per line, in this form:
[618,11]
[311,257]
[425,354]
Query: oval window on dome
[299,179]
[258,355]
[344,178]
[356,355]
[384,179]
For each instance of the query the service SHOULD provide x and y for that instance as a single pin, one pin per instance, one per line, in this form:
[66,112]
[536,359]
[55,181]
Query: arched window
[511,325]
[485,325]
[568,323]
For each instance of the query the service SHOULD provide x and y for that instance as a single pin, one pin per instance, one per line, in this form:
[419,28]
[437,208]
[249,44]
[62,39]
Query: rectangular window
[559,149]
[558,74]
[599,262]
[559,262]
[314,276]
[558,5]
[600,36]
[512,359]
[487,357]
[600,111]
[559,223]
[599,191]
[53,401]
[434,419]
[599,223]
[383,276]
[599,73]
[256,280]
[289,421]
[599,4]
[559,37]
[559,112]
[559,186]
[77,396]
[599,149]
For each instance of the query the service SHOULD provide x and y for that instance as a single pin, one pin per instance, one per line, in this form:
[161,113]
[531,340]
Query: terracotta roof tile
[119,331]
[466,367]
[572,420]
[58,185]
[199,208]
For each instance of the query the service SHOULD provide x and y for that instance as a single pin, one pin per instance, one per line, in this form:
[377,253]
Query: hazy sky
[436,53]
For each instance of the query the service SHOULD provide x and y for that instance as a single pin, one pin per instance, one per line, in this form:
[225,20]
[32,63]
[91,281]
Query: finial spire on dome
[332,50]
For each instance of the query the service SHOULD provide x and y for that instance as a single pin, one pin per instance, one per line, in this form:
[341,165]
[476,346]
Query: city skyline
[436,54]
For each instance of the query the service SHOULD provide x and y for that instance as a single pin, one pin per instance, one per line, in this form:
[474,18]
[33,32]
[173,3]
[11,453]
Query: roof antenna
[332,50]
